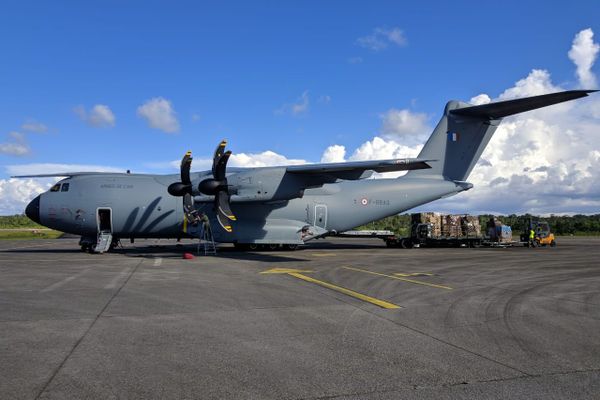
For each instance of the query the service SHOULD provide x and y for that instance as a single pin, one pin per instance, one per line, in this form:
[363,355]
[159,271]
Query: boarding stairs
[103,242]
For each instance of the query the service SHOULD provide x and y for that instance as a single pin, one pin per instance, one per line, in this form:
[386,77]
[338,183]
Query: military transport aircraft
[274,206]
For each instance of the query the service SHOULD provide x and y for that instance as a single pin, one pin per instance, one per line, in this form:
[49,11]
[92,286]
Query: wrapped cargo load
[452,226]
[499,232]
[471,226]
[505,234]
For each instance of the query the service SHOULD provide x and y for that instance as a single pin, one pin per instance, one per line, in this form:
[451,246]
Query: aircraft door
[104,220]
[320,216]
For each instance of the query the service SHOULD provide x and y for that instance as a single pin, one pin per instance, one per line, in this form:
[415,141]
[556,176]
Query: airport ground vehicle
[543,234]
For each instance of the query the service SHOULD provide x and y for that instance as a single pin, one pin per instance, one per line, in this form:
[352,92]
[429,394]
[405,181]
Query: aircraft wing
[356,169]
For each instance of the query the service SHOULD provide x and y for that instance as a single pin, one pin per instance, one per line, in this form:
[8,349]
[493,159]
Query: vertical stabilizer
[464,131]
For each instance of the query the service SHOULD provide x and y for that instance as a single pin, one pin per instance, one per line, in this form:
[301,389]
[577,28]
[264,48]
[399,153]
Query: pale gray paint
[274,204]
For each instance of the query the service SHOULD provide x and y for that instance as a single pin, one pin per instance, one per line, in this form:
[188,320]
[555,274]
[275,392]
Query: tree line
[578,224]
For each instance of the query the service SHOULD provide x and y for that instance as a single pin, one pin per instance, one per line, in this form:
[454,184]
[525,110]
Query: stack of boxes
[471,226]
[462,226]
[449,225]
[432,218]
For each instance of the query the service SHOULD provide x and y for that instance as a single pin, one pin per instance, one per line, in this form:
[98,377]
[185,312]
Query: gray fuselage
[140,207]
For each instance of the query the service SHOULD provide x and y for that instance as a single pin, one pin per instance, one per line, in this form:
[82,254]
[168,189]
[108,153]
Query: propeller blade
[219,151]
[222,203]
[186,164]
[221,165]
[188,205]
[224,222]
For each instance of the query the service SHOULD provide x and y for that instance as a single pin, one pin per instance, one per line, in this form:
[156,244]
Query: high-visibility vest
[531,234]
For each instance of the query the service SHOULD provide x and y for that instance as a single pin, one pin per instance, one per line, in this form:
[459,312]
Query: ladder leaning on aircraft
[274,206]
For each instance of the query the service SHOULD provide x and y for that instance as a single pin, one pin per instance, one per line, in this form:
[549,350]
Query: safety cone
[188,256]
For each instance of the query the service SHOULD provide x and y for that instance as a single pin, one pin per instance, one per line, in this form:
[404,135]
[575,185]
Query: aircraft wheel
[92,249]
[290,247]
[273,246]
[84,247]
[406,244]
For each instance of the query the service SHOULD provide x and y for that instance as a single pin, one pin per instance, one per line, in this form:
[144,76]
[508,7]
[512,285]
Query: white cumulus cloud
[584,53]
[480,99]
[15,194]
[405,125]
[333,154]
[99,116]
[159,114]
[543,161]
[265,159]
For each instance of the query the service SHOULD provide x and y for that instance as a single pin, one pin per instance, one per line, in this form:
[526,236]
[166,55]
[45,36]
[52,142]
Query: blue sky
[237,70]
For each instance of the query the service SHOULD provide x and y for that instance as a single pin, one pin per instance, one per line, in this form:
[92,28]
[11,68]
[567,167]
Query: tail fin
[464,130]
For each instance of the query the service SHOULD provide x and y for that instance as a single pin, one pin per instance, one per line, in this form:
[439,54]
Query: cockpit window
[55,188]
[65,187]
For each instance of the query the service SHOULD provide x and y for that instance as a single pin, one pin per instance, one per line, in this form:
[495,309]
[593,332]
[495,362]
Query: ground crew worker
[531,237]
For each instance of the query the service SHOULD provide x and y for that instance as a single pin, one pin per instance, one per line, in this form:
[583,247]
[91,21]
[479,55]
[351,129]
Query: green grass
[17,221]
[30,234]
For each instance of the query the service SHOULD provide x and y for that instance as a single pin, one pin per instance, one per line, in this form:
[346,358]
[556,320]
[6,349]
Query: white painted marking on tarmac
[68,279]
[26,247]
[114,282]
[157,262]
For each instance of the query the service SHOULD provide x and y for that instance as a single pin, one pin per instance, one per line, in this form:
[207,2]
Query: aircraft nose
[33,209]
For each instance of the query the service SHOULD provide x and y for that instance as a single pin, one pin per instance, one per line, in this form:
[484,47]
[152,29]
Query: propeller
[184,188]
[217,186]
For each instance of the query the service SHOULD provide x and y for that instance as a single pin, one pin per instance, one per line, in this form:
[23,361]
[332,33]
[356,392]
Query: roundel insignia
[364,201]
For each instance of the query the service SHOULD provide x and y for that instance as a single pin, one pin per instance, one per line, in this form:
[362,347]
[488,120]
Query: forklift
[543,236]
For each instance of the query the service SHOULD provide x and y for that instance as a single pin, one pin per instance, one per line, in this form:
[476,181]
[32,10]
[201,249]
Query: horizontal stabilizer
[505,108]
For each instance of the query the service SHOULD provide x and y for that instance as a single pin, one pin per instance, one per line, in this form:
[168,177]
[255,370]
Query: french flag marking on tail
[453,136]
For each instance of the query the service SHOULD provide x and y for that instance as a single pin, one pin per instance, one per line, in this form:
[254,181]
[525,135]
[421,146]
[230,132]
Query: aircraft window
[55,188]
[65,187]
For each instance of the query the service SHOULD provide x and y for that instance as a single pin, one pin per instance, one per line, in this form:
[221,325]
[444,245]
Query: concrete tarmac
[339,319]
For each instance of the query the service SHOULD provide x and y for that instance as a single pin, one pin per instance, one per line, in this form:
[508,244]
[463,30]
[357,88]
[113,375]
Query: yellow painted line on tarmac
[284,271]
[298,274]
[399,278]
